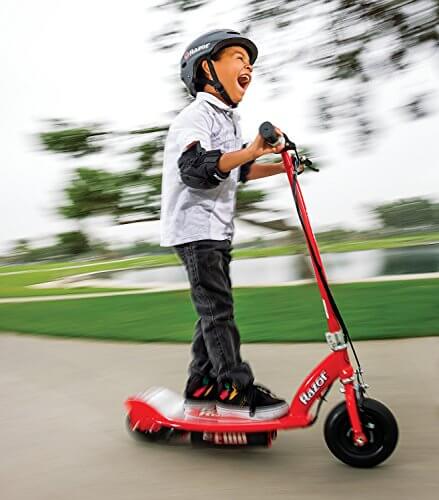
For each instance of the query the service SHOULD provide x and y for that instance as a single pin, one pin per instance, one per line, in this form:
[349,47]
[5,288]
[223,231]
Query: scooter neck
[319,270]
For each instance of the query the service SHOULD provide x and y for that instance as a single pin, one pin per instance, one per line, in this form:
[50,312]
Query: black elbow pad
[199,168]
[245,168]
[244,171]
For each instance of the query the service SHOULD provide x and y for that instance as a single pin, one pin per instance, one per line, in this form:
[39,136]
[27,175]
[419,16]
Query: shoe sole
[267,413]
[199,405]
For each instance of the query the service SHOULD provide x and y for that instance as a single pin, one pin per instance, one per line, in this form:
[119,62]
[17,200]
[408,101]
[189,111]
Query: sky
[94,62]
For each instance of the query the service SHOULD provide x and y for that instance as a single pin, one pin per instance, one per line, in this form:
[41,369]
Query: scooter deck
[160,407]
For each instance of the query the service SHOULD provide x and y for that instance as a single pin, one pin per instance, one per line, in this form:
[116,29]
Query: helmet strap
[217,85]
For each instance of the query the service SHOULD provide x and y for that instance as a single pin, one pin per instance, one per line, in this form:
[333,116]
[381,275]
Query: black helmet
[206,46]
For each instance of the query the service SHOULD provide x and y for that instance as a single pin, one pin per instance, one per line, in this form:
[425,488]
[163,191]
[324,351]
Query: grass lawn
[345,246]
[276,314]
[14,280]
[91,266]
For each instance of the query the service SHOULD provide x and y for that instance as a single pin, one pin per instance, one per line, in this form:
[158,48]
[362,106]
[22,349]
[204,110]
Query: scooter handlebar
[270,136]
[268,133]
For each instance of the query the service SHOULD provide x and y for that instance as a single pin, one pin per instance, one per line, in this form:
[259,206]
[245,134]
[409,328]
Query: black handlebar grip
[268,133]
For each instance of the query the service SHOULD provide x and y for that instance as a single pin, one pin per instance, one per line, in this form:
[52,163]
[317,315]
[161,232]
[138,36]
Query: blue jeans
[216,341]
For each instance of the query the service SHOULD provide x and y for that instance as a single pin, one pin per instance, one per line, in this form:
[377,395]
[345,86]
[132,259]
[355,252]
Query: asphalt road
[62,433]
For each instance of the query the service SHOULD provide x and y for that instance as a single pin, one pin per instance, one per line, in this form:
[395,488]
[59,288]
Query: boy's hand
[259,147]
[234,159]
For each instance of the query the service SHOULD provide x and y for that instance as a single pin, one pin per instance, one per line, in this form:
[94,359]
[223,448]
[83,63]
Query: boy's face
[234,71]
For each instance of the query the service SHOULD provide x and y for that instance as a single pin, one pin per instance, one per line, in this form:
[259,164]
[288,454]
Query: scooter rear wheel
[380,428]
[163,434]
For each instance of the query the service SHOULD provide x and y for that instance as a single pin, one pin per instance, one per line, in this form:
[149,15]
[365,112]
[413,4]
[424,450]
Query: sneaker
[200,392]
[253,401]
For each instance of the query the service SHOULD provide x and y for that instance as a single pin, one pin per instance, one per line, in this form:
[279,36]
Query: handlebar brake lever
[288,144]
[308,163]
[304,162]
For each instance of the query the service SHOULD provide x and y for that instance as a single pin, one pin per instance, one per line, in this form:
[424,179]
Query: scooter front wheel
[380,428]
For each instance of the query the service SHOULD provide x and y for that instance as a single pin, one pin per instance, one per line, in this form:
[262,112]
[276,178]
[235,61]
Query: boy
[204,160]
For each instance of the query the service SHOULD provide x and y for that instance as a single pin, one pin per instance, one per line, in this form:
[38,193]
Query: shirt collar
[205,96]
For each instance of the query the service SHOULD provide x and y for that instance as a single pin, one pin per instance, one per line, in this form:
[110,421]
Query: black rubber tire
[197,440]
[379,425]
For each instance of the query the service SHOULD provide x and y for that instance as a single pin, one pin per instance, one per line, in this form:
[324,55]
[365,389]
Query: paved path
[62,430]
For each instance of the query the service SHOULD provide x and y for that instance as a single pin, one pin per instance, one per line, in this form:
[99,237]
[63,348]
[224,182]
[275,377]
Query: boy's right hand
[234,159]
[259,147]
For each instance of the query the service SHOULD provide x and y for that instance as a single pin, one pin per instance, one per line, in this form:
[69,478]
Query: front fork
[352,385]
[353,397]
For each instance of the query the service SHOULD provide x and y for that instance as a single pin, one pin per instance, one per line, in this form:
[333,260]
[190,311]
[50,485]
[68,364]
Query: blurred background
[88,90]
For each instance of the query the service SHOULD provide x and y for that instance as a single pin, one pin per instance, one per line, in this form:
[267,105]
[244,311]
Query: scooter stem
[333,324]
[346,372]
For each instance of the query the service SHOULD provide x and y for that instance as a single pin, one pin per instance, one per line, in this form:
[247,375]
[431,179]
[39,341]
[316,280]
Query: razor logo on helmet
[193,51]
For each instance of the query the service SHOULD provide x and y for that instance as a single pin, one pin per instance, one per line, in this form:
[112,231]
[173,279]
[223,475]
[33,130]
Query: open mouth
[244,81]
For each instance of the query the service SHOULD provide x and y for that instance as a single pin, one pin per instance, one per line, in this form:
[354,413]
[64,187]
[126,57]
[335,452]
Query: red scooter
[359,431]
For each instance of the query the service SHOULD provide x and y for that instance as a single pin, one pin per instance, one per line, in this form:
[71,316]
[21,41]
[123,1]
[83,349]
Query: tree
[134,194]
[123,195]
[353,43]
[73,243]
[91,192]
[77,141]
[21,250]
[406,214]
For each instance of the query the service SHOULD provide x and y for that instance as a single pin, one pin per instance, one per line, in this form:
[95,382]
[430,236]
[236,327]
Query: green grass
[14,285]
[257,252]
[75,267]
[344,246]
[277,314]
[377,243]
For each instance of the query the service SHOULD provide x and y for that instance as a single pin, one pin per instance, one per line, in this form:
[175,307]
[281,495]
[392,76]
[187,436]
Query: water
[347,266]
